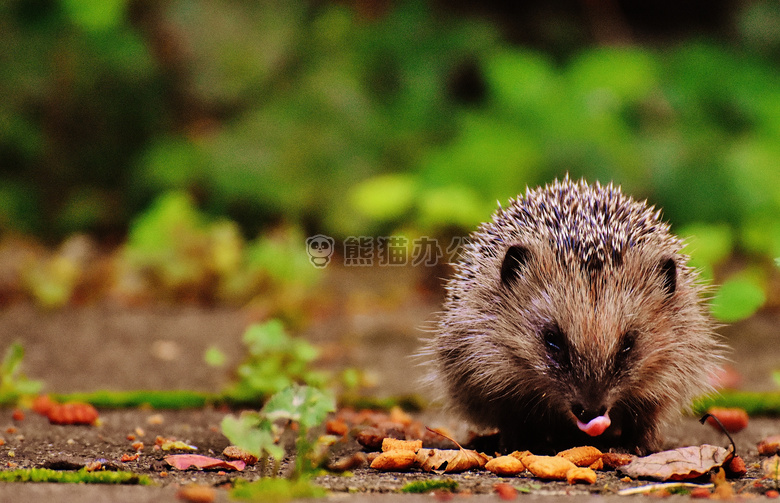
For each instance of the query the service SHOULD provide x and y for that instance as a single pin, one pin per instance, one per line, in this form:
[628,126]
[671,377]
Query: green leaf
[737,299]
[303,404]
[253,433]
[214,357]
[96,15]
[384,197]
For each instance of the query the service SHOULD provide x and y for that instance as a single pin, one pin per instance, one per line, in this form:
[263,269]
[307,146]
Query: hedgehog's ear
[668,271]
[515,259]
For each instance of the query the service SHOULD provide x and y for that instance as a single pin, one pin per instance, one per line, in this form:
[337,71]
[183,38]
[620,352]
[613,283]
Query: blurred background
[182,150]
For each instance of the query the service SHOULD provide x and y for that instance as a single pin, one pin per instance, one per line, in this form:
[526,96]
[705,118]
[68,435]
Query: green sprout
[14,384]
[259,432]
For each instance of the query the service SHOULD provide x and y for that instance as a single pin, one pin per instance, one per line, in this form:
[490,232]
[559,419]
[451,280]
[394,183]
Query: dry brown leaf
[678,464]
[585,455]
[769,446]
[771,468]
[505,465]
[393,444]
[576,475]
[614,460]
[450,460]
[197,493]
[393,461]
[548,467]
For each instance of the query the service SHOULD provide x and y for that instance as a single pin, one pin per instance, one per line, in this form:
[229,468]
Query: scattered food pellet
[733,419]
[140,432]
[235,452]
[70,441]
[197,493]
[127,457]
[394,460]
[700,492]
[505,491]
[505,465]
[582,456]
[392,444]
[17,415]
[769,446]
[772,494]
[548,467]
[130,437]
[155,419]
[11,454]
[577,475]
[11,430]
[138,446]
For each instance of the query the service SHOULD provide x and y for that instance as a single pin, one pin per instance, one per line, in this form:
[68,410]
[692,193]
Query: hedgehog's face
[597,335]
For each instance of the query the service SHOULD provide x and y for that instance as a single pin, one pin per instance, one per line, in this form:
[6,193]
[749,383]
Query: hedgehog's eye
[554,341]
[627,343]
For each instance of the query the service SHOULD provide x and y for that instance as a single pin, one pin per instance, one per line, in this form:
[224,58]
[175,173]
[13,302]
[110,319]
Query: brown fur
[595,310]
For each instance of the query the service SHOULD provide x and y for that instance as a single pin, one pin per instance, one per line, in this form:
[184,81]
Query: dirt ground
[373,323]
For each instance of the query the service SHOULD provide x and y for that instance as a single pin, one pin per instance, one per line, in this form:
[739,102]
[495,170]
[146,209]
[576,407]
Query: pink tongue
[595,426]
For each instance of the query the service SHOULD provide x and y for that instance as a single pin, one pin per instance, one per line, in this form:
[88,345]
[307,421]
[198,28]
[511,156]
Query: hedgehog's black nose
[585,414]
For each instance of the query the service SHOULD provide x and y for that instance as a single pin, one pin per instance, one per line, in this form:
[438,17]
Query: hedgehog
[573,318]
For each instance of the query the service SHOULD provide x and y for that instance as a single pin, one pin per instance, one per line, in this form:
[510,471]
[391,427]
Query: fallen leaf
[678,464]
[732,419]
[185,461]
[450,460]
[769,446]
[177,445]
[771,468]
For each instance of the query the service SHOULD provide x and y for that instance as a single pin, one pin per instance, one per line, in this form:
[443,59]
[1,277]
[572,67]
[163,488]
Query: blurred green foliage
[318,116]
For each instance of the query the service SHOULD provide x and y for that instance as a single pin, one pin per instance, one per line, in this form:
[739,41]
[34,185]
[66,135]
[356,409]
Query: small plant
[427,486]
[275,362]
[260,432]
[14,384]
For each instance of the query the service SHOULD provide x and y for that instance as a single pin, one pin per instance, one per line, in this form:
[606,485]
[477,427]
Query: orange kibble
[11,430]
[548,467]
[397,460]
[732,419]
[138,446]
[393,444]
[576,475]
[505,466]
[73,413]
[337,427]
[772,494]
[505,491]
[128,457]
[582,456]
[17,415]
[130,437]
[42,404]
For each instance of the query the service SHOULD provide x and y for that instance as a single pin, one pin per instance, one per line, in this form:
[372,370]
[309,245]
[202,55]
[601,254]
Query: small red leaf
[185,461]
